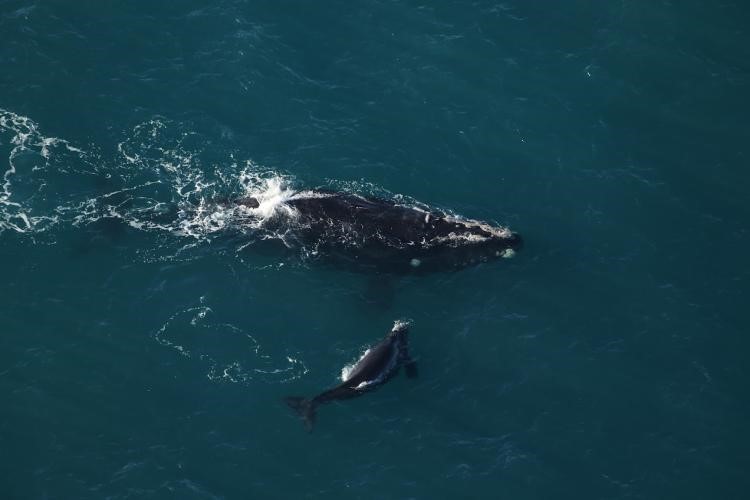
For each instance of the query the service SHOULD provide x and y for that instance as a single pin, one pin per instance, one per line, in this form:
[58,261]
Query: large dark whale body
[376,366]
[386,234]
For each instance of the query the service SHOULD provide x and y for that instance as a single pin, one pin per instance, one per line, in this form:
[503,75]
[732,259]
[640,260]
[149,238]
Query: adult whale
[376,366]
[384,234]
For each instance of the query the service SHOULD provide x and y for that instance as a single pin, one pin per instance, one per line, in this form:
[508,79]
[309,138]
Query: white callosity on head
[463,235]
[497,231]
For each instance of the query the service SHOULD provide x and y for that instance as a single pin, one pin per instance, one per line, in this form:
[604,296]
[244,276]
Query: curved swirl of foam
[25,181]
[228,353]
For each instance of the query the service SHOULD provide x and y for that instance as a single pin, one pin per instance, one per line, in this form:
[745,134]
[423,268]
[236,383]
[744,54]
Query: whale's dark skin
[378,365]
[390,236]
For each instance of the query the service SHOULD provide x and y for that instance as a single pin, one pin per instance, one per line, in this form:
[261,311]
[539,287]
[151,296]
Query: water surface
[146,347]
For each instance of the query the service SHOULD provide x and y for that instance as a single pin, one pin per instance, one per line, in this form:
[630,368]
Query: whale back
[351,220]
[374,365]
[369,233]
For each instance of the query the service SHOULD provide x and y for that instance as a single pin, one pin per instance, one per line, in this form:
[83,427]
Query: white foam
[497,231]
[16,213]
[202,218]
[165,160]
[272,195]
[400,324]
[193,334]
[346,371]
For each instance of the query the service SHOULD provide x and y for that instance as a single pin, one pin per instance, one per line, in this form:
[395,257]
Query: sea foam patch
[227,352]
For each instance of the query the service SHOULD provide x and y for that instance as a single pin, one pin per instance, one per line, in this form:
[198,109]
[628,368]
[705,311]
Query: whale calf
[377,365]
[384,234]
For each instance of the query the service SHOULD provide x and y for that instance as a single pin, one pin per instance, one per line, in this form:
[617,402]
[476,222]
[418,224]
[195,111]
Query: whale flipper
[411,369]
[409,363]
[305,408]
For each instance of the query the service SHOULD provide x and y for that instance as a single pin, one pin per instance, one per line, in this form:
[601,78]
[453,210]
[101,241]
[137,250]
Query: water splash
[162,179]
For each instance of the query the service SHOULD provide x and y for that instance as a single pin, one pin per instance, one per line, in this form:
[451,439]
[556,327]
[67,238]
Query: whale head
[464,242]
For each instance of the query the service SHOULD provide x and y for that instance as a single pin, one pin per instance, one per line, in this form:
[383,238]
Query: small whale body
[383,234]
[377,365]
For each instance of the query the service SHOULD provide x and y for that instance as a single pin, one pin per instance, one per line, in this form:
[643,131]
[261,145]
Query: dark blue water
[146,343]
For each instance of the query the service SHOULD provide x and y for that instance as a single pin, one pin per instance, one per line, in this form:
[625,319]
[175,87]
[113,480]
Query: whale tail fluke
[305,408]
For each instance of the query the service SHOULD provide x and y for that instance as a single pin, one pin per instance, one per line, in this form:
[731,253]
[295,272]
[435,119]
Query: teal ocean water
[146,343]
